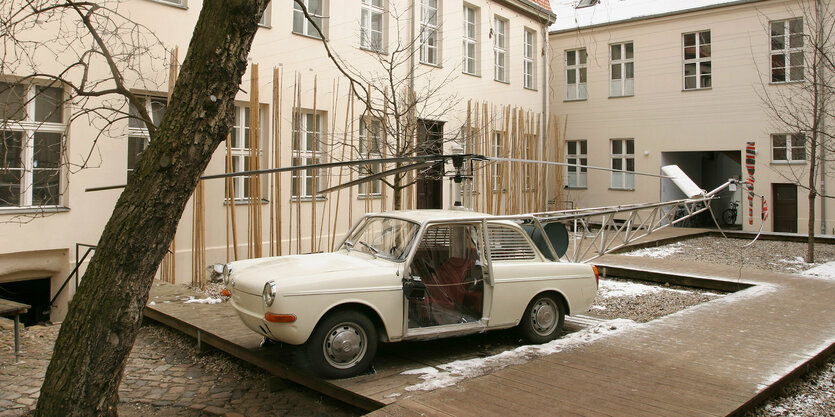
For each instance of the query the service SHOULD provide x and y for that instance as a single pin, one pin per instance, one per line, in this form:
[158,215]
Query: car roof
[425,215]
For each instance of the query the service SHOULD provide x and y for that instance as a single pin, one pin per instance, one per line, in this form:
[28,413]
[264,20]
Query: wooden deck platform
[718,358]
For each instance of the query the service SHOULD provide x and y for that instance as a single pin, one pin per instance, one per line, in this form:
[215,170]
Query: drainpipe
[413,41]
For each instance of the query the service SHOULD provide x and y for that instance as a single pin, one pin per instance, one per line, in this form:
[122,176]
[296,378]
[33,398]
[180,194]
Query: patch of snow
[825,271]
[610,289]
[208,300]
[658,252]
[393,395]
[596,307]
[152,303]
[451,373]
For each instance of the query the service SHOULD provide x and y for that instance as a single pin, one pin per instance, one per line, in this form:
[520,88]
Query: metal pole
[17,337]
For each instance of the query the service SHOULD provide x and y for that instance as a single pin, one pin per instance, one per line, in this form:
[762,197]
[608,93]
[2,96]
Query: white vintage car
[411,275]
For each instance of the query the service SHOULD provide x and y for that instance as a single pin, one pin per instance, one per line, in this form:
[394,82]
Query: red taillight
[596,275]
[280,318]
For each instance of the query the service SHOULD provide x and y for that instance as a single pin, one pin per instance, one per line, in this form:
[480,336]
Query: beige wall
[84,214]
[663,117]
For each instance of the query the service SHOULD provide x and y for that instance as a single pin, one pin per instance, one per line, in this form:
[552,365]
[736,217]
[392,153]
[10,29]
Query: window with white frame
[500,49]
[307,139]
[138,136]
[697,69]
[265,18]
[623,159]
[529,60]
[32,130]
[498,151]
[371,25]
[787,50]
[621,70]
[576,153]
[181,3]
[470,40]
[371,142]
[240,152]
[575,74]
[316,10]
[788,147]
[429,32]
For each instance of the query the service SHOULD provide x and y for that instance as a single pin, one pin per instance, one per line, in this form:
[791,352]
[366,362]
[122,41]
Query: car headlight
[225,272]
[269,293]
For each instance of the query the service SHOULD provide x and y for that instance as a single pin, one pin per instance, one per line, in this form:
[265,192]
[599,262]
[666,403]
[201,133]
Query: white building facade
[480,51]
[652,83]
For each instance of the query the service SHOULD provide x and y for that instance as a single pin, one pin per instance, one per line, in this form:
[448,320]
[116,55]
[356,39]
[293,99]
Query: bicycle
[730,213]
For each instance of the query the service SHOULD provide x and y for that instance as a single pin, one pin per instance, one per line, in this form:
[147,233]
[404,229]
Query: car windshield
[384,237]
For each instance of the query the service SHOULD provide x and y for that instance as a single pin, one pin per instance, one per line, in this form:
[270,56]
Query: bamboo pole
[299,139]
[383,146]
[348,106]
[254,221]
[351,171]
[278,86]
[230,185]
[329,155]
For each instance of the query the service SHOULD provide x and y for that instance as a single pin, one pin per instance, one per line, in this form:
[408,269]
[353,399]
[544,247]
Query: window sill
[369,197]
[314,37]
[696,89]
[307,199]
[429,64]
[569,100]
[243,202]
[34,210]
[477,75]
[786,82]
[373,51]
[567,187]
[781,162]
[168,3]
[621,189]
[629,95]
[531,88]
[502,81]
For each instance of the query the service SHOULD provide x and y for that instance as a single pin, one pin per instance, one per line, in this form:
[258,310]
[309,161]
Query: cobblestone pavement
[165,376]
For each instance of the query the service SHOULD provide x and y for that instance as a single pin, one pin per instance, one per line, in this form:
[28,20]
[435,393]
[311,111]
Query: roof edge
[533,8]
[657,16]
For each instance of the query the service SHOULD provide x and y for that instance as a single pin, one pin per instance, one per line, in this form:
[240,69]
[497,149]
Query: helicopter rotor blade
[565,164]
[419,165]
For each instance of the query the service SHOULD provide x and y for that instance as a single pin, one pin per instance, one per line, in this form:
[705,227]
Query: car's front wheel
[543,320]
[342,345]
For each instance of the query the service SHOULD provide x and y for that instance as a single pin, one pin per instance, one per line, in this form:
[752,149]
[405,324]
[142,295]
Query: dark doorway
[430,142]
[34,292]
[785,207]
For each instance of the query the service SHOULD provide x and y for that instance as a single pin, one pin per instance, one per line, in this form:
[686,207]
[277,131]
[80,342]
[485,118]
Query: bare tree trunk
[103,318]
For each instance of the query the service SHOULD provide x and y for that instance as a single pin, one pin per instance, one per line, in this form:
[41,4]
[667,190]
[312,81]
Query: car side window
[509,244]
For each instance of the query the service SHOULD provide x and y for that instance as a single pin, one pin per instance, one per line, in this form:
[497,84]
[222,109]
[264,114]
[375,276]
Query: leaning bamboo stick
[329,155]
[255,232]
[342,158]
[230,185]
[278,85]
[315,174]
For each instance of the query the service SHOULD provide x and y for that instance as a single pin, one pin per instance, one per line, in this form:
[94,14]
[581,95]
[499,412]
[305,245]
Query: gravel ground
[642,302]
[811,395]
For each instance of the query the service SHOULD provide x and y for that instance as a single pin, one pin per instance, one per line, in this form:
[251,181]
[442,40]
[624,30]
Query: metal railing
[74,273]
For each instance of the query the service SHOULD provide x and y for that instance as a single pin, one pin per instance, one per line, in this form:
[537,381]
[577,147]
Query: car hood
[307,271]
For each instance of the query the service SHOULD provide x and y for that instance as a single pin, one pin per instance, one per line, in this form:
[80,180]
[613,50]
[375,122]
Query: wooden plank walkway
[718,358]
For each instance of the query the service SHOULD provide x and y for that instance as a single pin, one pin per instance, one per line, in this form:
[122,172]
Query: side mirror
[414,289]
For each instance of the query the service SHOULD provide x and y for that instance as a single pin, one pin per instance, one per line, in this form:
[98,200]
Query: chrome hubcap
[345,345]
[544,316]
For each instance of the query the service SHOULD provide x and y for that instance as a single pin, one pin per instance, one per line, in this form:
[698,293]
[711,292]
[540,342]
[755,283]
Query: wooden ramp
[218,325]
[715,359]
[719,358]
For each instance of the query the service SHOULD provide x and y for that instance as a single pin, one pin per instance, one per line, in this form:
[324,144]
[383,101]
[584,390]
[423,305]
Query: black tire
[543,319]
[729,216]
[348,328]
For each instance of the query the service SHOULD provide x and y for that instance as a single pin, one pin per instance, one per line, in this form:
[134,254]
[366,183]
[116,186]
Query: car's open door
[445,289]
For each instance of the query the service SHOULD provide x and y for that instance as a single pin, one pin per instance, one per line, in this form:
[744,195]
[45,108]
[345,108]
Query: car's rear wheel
[342,345]
[543,319]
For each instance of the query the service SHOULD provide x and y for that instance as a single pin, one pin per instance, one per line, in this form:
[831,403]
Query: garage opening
[708,169]
[34,292]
